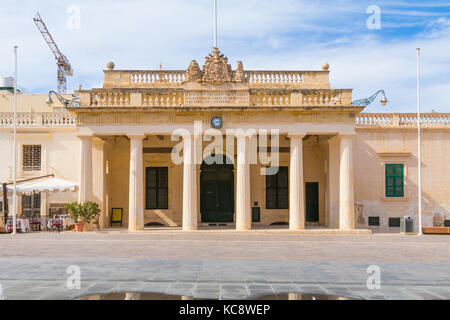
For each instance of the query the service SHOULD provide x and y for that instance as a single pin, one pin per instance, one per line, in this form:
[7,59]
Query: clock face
[216,122]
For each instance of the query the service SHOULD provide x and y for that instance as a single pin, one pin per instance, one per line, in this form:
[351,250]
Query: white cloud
[283,34]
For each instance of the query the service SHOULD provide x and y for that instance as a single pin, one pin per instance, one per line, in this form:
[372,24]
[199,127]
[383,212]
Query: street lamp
[419,156]
[14,230]
[64,101]
[367,101]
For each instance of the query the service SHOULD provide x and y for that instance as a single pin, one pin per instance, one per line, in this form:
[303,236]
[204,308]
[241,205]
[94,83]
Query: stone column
[296,185]
[99,178]
[346,192]
[333,181]
[44,204]
[18,205]
[85,192]
[190,210]
[243,205]
[136,196]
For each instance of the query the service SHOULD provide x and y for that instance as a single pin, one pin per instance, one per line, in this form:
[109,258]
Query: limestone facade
[335,157]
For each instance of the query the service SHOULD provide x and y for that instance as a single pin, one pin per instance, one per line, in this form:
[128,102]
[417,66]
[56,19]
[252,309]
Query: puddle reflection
[157,296]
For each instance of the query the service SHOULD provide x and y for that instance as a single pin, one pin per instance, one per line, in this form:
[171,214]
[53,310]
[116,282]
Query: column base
[190,229]
[347,229]
[299,228]
[243,229]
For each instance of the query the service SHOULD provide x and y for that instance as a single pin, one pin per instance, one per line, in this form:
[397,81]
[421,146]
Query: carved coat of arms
[216,70]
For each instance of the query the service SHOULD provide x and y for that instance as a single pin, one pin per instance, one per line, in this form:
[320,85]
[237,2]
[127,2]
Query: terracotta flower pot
[79,227]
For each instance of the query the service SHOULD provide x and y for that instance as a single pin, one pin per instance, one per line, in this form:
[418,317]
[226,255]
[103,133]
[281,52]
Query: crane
[64,67]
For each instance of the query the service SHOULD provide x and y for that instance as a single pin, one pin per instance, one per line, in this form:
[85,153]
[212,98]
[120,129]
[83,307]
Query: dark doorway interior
[217,191]
[312,202]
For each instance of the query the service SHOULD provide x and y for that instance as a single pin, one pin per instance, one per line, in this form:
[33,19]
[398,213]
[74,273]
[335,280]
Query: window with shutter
[157,188]
[394,181]
[31,160]
[277,190]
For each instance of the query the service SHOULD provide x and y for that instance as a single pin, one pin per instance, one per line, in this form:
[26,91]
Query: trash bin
[407,225]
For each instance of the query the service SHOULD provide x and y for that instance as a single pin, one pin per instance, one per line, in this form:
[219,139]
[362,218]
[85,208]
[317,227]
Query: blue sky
[264,34]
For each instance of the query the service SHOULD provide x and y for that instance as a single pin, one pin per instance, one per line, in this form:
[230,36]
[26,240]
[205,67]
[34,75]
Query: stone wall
[376,147]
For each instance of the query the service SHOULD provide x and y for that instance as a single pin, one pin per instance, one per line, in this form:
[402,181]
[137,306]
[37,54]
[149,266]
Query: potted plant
[82,213]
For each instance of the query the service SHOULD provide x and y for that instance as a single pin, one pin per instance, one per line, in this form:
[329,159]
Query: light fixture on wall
[49,100]
[365,102]
[66,102]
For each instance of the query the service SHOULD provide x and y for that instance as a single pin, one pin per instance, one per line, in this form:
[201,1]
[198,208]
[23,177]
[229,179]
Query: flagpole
[419,161]
[15,145]
[215,23]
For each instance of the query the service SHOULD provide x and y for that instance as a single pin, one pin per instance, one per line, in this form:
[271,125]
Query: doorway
[312,202]
[217,191]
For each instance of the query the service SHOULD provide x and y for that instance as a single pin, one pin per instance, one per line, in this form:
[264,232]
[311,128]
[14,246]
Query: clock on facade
[217,122]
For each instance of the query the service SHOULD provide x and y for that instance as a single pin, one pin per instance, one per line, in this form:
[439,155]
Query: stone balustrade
[32,120]
[163,99]
[284,97]
[275,77]
[144,78]
[362,120]
[402,120]
[150,78]
[110,98]
[326,97]
[288,79]
[176,78]
[262,99]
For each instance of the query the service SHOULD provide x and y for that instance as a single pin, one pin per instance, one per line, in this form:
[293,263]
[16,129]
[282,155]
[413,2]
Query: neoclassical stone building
[219,145]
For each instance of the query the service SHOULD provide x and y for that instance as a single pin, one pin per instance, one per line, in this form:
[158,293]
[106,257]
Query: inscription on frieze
[216,98]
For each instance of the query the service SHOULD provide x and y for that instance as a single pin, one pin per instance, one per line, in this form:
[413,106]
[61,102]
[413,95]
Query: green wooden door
[217,193]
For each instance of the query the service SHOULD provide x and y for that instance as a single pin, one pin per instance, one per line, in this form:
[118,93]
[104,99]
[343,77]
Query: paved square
[226,265]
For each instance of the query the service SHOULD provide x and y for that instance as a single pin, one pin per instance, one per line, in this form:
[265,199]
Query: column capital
[132,136]
[347,135]
[85,137]
[295,135]
[241,135]
[98,141]
[334,140]
[191,136]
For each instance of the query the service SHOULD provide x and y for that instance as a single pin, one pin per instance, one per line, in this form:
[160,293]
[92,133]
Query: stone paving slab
[225,267]
[50,281]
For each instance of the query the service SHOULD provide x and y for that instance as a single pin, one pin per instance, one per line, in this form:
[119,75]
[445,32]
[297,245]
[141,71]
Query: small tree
[74,209]
[83,212]
[90,211]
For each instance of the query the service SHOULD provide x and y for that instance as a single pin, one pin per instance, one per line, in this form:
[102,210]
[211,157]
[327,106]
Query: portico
[156,130]
[246,181]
